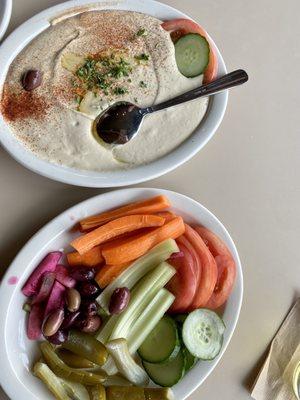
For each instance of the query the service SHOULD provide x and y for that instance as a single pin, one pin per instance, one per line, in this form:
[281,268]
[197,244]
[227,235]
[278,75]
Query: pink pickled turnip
[35,321]
[56,299]
[48,264]
[45,289]
[62,276]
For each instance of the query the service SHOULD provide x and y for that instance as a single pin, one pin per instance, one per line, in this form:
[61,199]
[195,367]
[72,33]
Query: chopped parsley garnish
[141,32]
[135,100]
[74,83]
[101,73]
[143,84]
[78,99]
[120,90]
[122,68]
[142,57]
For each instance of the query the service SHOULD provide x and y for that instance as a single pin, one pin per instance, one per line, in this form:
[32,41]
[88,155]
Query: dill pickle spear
[97,392]
[158,394]
[53,383]
[86,346]
[125,393]
[73,360]
[64,371]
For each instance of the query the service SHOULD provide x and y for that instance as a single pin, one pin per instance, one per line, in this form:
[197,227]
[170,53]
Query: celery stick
[138,269]
[141,295]
[144,325]
[126,365]
[149,319]
[106,331]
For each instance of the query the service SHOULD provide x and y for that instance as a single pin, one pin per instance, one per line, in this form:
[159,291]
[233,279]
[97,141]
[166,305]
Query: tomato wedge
[209,271]
[183,284]
[182,26]
[196,261]
[226,267]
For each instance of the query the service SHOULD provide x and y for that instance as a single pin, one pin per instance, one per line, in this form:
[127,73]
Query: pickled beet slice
[45,289]
[35,321]
[56,299]
[48,264]
[63,276]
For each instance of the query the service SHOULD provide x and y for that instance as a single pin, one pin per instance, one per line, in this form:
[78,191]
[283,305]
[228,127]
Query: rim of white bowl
[15,42]
[5,18]
[61,223]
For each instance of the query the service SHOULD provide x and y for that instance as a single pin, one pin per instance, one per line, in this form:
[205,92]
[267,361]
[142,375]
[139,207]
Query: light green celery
[106,331]
[141,295]
[126,365]
[138,269]
[151,315]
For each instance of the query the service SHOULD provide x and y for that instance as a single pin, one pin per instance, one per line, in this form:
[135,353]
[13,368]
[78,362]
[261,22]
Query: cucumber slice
[167,374]
[192,54]
[202,334]
[190,360]
[162,343]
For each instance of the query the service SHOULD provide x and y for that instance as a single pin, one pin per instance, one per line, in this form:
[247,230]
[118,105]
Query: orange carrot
[109,272]
[136,247]
[149,206]
[167,215]
[113,229]
[92,258]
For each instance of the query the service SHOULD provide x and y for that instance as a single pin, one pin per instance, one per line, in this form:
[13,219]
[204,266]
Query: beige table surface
[248,174]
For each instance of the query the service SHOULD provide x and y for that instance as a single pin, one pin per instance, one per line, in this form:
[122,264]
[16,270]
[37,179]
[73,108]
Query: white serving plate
[27,31]
[17,353]
[5,14]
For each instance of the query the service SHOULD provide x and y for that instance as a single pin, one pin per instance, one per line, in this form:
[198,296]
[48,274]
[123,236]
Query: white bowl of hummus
[80,61]
[5,14]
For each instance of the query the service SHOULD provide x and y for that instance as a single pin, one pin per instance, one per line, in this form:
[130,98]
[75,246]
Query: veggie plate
[80,306]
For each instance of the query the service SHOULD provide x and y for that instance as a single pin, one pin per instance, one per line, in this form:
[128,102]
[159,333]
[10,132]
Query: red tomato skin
[197,264]
[226,268]
[182,26]
[183,284]
[215,244]
[209,271]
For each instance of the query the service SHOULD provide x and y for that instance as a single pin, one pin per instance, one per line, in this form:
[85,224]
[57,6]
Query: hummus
[88,62]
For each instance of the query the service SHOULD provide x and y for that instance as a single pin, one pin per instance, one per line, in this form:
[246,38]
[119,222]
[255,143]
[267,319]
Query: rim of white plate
[36,248]
[35,25]
[6,8]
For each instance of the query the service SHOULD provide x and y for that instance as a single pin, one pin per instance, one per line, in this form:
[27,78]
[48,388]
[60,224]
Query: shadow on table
[249,380]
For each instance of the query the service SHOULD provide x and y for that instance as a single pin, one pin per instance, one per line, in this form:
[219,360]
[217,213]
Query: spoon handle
[225,82]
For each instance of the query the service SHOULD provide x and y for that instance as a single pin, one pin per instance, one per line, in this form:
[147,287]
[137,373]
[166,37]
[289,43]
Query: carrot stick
[92,258]
[149,206]
[108,273]
[136,247]
[113,229]
[167,215]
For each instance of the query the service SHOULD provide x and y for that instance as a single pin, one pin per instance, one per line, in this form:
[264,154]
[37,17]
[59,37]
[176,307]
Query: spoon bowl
[119,123]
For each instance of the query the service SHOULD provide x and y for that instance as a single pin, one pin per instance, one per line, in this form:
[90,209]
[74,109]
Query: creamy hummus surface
[88,62]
